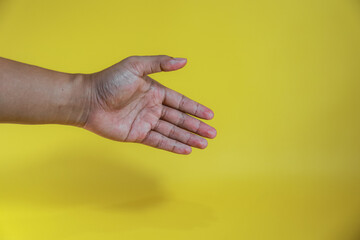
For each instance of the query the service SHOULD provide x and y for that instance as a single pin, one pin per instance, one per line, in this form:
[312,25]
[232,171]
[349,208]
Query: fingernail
[188,150]
[204,144]
[177,60]
[210,115]
[212,133]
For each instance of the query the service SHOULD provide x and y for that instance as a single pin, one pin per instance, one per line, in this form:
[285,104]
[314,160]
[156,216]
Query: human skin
[121,103]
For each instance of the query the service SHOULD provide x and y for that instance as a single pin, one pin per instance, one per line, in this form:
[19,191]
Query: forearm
[34,95]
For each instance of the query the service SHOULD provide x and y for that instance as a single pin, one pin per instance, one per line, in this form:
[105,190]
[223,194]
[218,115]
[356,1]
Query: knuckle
[182,102]
[164,56]
[133,63]
[173,148]
[172,131]
[131,58]
[163,112]
[188,139]
[198,127]
[181,120]
[197,109]
[156,127]
[159,142]
[146,137]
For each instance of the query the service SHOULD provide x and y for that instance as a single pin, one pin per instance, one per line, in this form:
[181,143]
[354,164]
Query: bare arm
[121,103]
[34,95]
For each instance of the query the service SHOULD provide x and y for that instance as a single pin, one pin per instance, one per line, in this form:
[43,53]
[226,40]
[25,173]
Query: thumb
[144,65]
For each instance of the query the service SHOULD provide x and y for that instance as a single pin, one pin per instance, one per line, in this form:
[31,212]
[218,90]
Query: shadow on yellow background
[77,176]
[78,180]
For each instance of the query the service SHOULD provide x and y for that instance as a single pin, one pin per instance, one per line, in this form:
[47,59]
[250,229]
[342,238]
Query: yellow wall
[283,78]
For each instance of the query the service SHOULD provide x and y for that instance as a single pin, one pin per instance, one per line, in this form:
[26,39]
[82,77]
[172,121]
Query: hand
[129,106]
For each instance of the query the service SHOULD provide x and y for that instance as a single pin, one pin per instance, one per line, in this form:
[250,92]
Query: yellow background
[283,79]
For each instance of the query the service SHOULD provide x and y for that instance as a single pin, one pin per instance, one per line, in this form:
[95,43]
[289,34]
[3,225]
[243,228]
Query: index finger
[179,101]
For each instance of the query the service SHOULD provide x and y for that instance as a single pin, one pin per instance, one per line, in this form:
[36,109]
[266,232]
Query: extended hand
[129,106]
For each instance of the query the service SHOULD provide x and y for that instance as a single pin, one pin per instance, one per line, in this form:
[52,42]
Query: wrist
[80,102]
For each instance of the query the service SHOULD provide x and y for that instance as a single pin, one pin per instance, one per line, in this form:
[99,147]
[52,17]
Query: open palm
[129,106]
